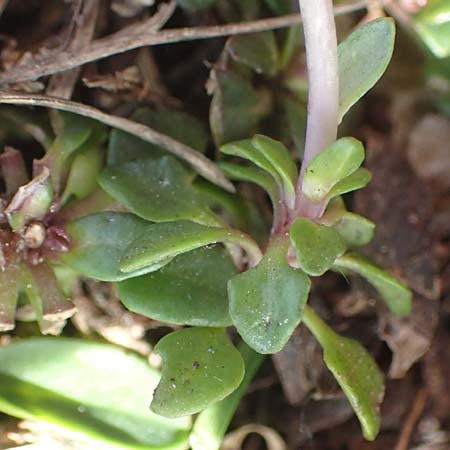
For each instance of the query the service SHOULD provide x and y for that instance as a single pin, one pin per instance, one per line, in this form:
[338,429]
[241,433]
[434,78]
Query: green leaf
[163,241]
[200,367]
[190,290]
[357,180]
[212,423]
[98,242]
[259,51]
[280,158]
[266,302]
[95,389]
[397,296]
[328,168]
[73,131]
[83,172]
[316,246]
[236,108]
[433,25]
[252,175]
[354,229]
[363,58]
[354,370]
[245,149]
[124,147]
[158,190]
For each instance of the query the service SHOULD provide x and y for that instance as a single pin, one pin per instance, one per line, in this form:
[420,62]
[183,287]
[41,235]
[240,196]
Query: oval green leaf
[266,302]
[363,57]
[190,290]
[97,390]
[354,229]
[316,246]
[396,295]
[98,242]
[259,51]
[357,180]
[354,370]
[159,190]
[162,241]
[200,367]
[331,166]
[280,158]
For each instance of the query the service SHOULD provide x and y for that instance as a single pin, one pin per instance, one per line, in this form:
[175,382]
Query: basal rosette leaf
[98,242]
[190,290]
[159,190]
[96,390]
[200,367]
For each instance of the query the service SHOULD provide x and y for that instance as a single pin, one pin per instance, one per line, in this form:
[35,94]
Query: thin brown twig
[83,23]
[101,48]
[140,36]
[199,162]
[413,417]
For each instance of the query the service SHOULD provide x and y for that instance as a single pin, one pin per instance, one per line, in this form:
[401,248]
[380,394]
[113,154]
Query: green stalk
[212,423]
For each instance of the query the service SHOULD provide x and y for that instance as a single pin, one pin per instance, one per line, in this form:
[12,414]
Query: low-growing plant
[174,258]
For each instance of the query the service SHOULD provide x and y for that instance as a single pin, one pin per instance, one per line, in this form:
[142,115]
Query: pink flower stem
[323,91]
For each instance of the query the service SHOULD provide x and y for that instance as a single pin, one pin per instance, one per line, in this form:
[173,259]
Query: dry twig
[62,84]
[146,34]
[199,162]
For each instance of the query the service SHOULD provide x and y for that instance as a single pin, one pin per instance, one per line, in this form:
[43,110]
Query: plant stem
[323,90]
[212,423]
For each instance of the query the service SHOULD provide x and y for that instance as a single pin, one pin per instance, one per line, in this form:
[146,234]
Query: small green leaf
[331,166]
[158,190]
[163,241]
[357,180]
[433,25]
[245,149]
[316,246]
[98,242]
[363,58]
[200,367]
[354,370]
[124,147]
[266,302]
[98,390]
[73,131]
[252,175]
[236,108]
[190,290]
[259,51]
[354,229]
[280,158]
[83,172]
[396,295]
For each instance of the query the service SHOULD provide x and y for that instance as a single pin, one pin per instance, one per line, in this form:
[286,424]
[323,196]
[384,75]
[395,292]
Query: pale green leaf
[98,390]
[363,58]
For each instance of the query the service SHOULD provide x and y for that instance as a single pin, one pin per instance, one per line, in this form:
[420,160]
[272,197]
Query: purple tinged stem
[323,91]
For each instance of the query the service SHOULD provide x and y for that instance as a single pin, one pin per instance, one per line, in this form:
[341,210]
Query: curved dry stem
[199,162]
